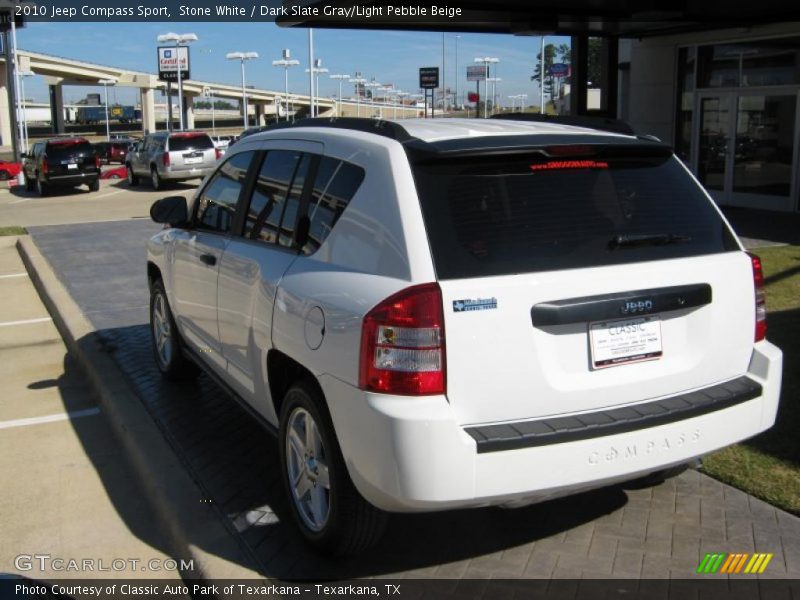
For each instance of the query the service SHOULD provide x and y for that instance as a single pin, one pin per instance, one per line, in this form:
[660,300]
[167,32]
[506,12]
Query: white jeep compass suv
[433,314]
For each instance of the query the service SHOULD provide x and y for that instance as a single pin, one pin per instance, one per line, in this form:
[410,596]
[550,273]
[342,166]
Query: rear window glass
[179,143]
[59,150]
[504,215]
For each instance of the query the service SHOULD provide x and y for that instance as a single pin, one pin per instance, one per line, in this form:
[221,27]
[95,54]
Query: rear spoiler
[601,123]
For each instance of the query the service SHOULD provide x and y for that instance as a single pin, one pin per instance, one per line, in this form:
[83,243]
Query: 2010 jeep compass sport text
[440,314]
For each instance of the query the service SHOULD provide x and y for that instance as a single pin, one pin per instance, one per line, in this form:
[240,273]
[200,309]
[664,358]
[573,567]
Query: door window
[272,213]
[218,200]
[335,185]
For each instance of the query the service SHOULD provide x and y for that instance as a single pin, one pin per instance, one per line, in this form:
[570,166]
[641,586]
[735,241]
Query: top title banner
[232,11]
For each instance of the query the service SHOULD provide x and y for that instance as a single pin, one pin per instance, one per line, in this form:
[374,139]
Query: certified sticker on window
[624,341]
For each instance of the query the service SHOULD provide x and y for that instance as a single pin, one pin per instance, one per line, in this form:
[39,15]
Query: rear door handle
[208,259]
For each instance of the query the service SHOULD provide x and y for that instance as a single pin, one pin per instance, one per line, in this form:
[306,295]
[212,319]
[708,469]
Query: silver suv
[171,157]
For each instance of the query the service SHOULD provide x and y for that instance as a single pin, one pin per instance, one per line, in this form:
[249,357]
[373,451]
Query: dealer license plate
[193,160]
[72,166]
[624,341]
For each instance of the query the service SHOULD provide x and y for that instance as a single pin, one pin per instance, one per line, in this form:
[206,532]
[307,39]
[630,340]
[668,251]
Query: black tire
[167,344]
[133,179]
[4,176]
[30,185]
[41,188]
[155,179]
[94,186]
[351,524]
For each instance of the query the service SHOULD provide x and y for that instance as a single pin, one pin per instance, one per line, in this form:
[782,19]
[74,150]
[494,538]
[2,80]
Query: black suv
[61,162]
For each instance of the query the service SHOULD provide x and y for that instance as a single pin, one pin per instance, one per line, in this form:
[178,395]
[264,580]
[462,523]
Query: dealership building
[718,80]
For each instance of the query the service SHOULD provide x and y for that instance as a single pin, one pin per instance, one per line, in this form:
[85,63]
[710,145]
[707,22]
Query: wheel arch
[282,372]
[153,274]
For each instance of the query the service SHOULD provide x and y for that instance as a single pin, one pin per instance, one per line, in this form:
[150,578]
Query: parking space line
[106,194]
[12,275]
[88,412]
[25,322]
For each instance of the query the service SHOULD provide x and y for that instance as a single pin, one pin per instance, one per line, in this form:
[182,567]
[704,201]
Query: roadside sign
[473,97]
[429,78]
[476,73]
[168,58]
[206,91]
[558,70]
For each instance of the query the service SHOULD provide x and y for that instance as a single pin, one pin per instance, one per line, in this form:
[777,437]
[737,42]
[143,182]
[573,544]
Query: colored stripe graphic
[734,563]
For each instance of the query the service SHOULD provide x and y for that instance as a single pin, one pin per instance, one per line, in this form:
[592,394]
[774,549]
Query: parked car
[118,150]
[222,141]
[115,173]
[165,156]
[9,170]
[61,162]
[445,314]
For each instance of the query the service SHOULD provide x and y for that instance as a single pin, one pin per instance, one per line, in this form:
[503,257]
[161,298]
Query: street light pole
[179,40]
[105,83]
[311,107]
[286,62]
[243,56]
[486,60]
[357,81]
[458,37]
[340,78]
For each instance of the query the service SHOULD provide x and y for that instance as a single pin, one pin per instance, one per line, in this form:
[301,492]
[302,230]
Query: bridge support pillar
[57,108]
[148,110]
[261,118]
[188,111]
[6,120]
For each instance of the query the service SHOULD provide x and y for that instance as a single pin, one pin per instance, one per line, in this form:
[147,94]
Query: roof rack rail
[601,123]
[388,129]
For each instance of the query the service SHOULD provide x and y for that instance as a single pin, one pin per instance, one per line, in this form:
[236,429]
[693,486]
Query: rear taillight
[402,344]
[165,159]
[761,305]
[45,168]
[96,161]
[217,153]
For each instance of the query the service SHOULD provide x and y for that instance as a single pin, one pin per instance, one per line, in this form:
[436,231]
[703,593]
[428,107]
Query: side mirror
[171,210]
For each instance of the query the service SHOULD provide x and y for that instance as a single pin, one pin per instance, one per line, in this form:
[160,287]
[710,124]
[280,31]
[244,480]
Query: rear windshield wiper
[653,239]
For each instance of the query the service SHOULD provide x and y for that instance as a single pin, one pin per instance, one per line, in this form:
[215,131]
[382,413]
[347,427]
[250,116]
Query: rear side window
[68,148]
[182,143]
[273,208]
[217,203]
[336,184]
[504,215]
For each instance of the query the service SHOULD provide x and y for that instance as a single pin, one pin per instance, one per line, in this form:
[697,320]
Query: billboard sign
[476,73]
[429,78]
[168,59]
[558,70]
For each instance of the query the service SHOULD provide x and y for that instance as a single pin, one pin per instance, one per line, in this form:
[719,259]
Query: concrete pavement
[114,201]
[622,532]
[68,491]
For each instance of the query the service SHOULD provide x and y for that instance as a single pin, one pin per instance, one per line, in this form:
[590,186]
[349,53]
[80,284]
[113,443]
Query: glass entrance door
[747,148]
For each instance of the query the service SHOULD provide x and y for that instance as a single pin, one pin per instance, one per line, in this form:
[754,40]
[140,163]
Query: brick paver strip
[658,532]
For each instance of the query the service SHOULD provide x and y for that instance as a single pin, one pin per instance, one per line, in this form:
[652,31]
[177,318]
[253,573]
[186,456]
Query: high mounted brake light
[553,165]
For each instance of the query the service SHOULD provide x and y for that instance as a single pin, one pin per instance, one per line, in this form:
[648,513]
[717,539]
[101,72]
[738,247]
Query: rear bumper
[173,174]
[72,178]
[409,454]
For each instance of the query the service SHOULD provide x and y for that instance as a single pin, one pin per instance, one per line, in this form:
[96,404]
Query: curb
[194,530]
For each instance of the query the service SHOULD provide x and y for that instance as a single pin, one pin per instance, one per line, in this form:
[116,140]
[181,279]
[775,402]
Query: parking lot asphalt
[63,473]
[658,532]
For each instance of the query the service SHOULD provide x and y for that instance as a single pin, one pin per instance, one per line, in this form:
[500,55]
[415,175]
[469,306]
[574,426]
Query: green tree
[549,59]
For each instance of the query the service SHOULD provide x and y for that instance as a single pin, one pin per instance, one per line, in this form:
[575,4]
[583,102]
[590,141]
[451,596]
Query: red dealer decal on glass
[570,164]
